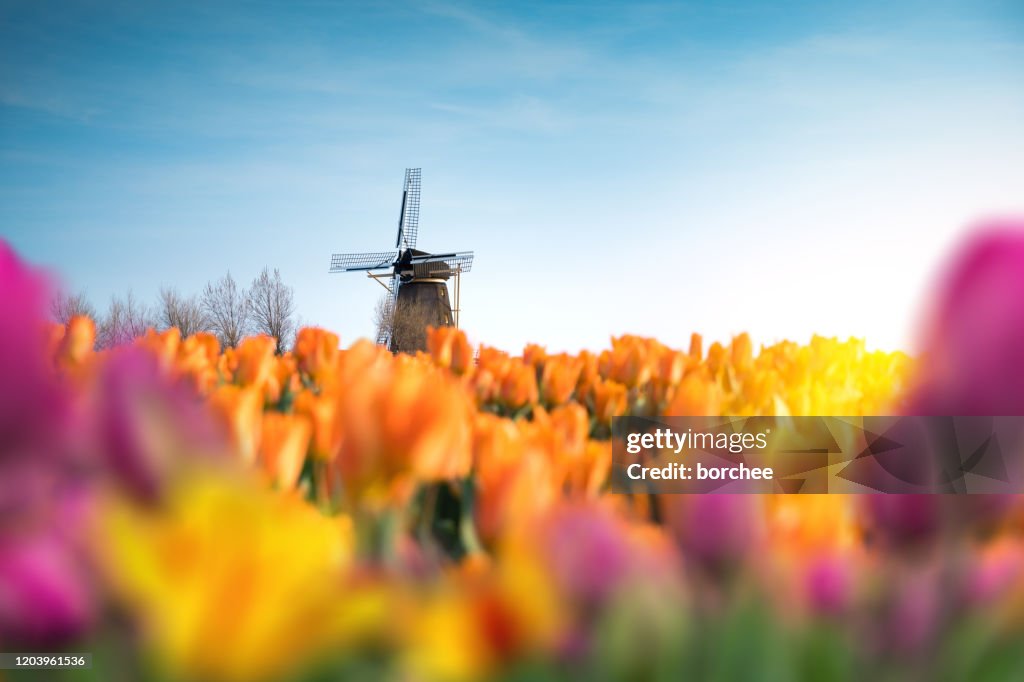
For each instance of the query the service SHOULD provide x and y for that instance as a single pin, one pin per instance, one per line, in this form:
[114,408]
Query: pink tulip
[587,550]
[902,520]
[829,584]
[31,403]
[972,364]
[914,607]
[146,424]
[44,597]
[714,530]
[972,345]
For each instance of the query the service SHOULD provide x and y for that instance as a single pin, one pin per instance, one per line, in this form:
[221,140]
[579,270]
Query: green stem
[467,525]
[428,512]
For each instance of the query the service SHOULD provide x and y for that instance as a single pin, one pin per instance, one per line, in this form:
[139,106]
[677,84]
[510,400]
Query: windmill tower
[417,281]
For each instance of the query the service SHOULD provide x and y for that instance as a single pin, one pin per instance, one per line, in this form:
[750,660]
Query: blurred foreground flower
[45,595]
[229,580]
[716,532]
[972,343]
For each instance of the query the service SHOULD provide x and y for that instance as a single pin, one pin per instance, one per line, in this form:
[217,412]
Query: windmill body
[417,281]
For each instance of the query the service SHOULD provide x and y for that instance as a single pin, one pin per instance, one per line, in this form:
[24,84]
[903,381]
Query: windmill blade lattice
[409,220]
[348,262]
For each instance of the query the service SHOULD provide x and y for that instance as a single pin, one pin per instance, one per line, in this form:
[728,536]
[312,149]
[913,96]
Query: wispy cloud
[505,49]
[50,104]
[519,114]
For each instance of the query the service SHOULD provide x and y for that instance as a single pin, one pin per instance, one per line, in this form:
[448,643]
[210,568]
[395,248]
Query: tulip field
[183,511]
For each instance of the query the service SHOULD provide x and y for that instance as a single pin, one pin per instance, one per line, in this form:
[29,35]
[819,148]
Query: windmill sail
[409,218]
[348,262]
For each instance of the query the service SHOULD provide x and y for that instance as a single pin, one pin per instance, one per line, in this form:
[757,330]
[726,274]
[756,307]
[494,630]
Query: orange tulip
[227,363]
[716,359]
[594,470]
[534,355]
[629,362]
[583,464]
[198,357]
[589,374]
[78,340]
[696,346]
[518,386]
[316,352]
[255,361]
[403,421]
[241,412]
[491,367]
[450,349]
[696,396]
[283,377]
[363,356]
[742,352]
[562,437]
[566,428]
[322,412]
[163,345]
[609,400]
[558,379]
[485,386]
[283,445]
[514,474]
[671,366]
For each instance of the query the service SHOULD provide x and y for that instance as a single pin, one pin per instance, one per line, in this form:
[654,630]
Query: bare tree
[227,310]
[184,312]
[126,319]
[64,306]
[382,316]
[272,307]
[406,322]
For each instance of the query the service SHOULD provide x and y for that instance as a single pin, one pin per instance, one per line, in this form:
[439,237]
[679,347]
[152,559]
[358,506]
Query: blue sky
[653,168]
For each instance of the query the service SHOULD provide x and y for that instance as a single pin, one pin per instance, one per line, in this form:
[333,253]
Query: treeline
[222,308]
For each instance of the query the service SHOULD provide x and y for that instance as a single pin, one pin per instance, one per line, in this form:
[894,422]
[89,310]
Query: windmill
[416,280]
